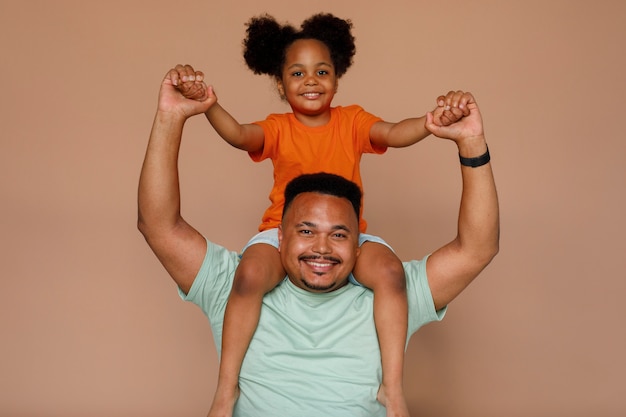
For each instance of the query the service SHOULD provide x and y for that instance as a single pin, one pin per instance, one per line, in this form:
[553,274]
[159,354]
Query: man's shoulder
[416,275]
[415,266]
[215,274]
[421,304]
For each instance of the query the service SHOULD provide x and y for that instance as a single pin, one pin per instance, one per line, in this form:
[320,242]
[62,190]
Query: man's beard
[320,288]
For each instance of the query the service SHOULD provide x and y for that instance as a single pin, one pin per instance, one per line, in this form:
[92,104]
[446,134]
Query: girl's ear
[281,88]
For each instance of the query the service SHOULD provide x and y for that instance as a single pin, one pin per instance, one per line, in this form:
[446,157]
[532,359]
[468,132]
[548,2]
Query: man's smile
[320,263]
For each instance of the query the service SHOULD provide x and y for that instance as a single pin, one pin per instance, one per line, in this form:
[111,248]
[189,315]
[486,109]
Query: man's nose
[321,245]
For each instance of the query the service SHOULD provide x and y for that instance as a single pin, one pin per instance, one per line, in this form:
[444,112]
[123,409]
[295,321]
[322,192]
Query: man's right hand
[183,92]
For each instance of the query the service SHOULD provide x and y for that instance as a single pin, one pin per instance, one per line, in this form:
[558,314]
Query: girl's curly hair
[267,41]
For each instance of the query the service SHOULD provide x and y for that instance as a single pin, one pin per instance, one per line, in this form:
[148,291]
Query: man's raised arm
[179,247]
[453,267]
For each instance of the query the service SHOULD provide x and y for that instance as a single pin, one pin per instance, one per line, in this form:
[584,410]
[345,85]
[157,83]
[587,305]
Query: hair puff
[266,42]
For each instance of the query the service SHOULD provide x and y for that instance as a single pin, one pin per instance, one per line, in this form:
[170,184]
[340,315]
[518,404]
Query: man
[315,351]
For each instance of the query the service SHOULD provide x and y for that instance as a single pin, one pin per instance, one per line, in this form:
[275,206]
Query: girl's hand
[191,83]
[173,101]
[469,126]
[453,106]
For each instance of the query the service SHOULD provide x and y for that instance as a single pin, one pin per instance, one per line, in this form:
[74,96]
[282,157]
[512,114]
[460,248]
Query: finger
[445,121]
[452,97]
[211,92]
[173,76]
[182,74]
[465,100]
[187,89]
[198,92]
[447,101]
[436,116]
[456,98]
[432,125]
[181,71]
[450,113]
[454,114]
[187,73]
[203,92]
[437,112]
[429,121]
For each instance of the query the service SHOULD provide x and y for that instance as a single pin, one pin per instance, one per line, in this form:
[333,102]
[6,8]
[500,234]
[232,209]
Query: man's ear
[280,236]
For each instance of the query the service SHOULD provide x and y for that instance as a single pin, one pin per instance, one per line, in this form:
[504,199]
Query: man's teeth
[319,264]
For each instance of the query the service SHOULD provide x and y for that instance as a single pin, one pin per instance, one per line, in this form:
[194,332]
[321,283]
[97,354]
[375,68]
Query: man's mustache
[319,258]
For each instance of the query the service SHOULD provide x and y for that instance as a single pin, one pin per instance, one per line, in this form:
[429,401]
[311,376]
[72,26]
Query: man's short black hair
[324,183]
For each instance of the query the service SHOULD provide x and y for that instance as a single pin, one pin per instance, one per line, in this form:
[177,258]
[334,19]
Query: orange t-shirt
[297,149]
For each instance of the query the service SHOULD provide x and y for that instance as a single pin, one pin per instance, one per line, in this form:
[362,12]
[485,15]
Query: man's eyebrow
[307,224]
[334,228]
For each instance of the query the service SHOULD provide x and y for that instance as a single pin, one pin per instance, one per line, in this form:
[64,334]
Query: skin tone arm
[410,131]
[247,137]
[251,138]
[453,267]
[178,246]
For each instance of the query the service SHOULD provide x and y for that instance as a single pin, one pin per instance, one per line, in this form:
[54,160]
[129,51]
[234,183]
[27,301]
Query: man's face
[319,239]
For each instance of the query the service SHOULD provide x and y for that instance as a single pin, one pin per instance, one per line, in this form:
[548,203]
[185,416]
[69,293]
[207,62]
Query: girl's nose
[310,80]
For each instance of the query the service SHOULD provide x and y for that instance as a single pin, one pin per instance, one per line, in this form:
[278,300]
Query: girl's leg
[380,270]
[259,271]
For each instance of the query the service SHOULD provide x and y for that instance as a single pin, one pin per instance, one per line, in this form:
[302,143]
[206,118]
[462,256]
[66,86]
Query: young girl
[306,65]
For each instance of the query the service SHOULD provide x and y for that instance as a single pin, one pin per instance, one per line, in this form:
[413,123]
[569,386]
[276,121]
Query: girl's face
[308,81]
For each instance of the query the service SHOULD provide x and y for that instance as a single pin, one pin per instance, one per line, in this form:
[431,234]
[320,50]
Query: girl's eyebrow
[319,64]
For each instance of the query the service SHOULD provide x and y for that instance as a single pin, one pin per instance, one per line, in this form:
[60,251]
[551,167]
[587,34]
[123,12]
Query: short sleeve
[271,129]
[212,285]
[363,122]
[421,305]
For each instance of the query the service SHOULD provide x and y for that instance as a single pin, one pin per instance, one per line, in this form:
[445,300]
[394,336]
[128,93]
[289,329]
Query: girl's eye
[297,74]
[322,72]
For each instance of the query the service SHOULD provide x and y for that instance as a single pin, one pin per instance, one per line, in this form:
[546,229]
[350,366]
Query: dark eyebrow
[319,64]
[342,227]
[334,228]
[308,224]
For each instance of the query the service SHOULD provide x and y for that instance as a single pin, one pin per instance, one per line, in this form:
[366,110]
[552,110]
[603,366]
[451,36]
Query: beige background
[91,324]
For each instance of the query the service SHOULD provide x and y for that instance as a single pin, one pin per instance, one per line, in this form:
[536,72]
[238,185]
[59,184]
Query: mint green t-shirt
[312,354]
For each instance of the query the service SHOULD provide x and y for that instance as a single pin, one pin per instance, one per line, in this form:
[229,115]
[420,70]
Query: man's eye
[305,232]
[340,235]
